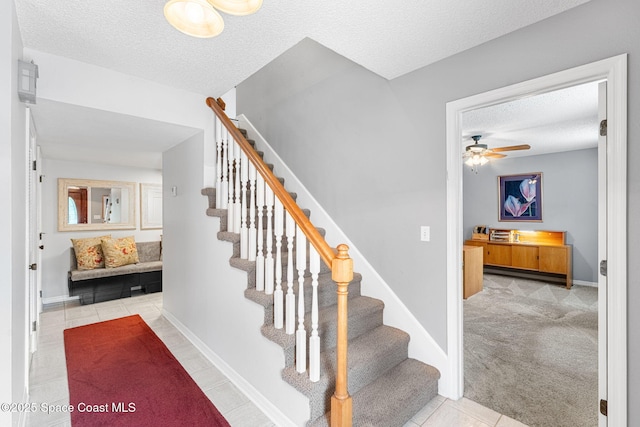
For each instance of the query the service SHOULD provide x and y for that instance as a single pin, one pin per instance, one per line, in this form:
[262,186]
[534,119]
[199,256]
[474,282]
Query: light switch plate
[425,233]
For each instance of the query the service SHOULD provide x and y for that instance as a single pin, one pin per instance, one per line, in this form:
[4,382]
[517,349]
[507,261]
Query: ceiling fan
[478,154]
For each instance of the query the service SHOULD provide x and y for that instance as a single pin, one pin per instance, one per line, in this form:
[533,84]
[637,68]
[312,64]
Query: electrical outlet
[425,233]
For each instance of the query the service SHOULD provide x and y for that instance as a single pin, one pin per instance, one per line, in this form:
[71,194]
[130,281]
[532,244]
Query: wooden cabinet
[472,274]
[525,257]
[498,254]
[542,251]
[554,260]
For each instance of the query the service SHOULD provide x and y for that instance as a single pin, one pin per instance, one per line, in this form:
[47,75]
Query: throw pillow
[119,252]
[89,252]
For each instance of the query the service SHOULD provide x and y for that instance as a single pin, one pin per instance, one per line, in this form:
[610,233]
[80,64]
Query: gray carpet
[531,351]
[387,387]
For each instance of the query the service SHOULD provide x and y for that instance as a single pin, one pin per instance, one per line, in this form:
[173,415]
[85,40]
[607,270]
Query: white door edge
[614,71]
[602,252]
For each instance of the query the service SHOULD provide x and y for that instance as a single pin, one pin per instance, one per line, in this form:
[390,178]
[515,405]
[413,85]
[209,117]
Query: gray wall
[206,296]
[373,151]
[569,197]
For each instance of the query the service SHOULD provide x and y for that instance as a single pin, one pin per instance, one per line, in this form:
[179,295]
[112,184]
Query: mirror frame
[63,204]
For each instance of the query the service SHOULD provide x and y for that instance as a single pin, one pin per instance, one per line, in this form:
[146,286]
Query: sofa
[104,284]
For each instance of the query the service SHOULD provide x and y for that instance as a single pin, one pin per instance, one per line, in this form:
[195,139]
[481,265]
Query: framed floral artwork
[520,197]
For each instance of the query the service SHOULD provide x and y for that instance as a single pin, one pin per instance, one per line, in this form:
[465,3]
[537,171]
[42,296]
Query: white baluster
[252,212]
[237,201]
[224,188]
[301,333]
[290,302]
[244,229]
[314,341]
[268,262]
[278,297]
[231,214]
[260,257]
[218,127]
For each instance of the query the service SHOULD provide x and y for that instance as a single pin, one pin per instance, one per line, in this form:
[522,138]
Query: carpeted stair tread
[370,355]
[387,387]
[211,195]
[394,398]
[326,294]
[326,291]
[246,265]
[365,314]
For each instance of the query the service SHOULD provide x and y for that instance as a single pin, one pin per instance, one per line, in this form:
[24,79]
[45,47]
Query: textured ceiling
[562,120]
[388,37]
[133,37]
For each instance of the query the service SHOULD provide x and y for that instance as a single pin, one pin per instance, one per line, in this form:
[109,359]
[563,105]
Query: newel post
[342,274]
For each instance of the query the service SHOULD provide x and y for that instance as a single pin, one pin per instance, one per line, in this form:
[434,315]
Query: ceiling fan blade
[512,148]
[494,155]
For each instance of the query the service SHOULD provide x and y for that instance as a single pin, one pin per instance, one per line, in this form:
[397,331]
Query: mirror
[150,206]
[96,205]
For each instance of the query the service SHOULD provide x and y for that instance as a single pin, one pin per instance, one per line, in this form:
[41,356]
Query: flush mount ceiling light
[237,7]
[198,18]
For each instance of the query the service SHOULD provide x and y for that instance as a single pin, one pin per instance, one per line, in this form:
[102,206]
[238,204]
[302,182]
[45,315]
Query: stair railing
[251,193]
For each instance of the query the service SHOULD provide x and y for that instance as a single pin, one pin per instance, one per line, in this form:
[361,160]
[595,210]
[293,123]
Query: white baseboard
[61,298]
[271,411]
[585,283]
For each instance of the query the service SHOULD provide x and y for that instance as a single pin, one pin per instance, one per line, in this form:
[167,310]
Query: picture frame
[150,206]
[520,197]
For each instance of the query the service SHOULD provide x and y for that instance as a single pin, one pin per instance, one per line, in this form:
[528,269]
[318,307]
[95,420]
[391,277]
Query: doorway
[613,190]
[530,344]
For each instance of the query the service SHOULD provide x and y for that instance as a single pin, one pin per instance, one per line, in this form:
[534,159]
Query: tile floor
[48,376]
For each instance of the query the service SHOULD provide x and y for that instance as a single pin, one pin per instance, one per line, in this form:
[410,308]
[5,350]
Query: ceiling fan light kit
[478,154]
[199,18]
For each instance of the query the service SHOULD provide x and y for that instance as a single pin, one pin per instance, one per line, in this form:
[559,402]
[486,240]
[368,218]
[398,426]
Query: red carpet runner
[121,374]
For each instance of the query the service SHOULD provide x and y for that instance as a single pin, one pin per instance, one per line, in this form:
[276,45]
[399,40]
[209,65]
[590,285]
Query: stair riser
[247,265]
[378,371]
[284,247]
[356,327]
[359,376]
[360,322]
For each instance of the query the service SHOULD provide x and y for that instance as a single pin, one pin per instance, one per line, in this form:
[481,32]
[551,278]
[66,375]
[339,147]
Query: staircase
[387,388]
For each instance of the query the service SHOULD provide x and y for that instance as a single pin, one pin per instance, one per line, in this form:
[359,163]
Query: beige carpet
[531,351]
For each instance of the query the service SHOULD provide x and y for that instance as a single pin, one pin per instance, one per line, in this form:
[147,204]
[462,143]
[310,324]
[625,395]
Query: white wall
[569,197]
[13,259]
[77,83]
[206,296]
[55,256]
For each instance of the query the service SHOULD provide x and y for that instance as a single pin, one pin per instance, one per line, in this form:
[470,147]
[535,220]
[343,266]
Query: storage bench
[104,284]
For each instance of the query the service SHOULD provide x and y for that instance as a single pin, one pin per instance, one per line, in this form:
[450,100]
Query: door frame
[614,71]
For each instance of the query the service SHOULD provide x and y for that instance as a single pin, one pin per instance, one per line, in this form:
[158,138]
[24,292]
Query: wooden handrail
[338,261]
[325,251]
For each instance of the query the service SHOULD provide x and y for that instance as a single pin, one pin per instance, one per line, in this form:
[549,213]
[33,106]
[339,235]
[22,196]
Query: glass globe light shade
[195,18]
